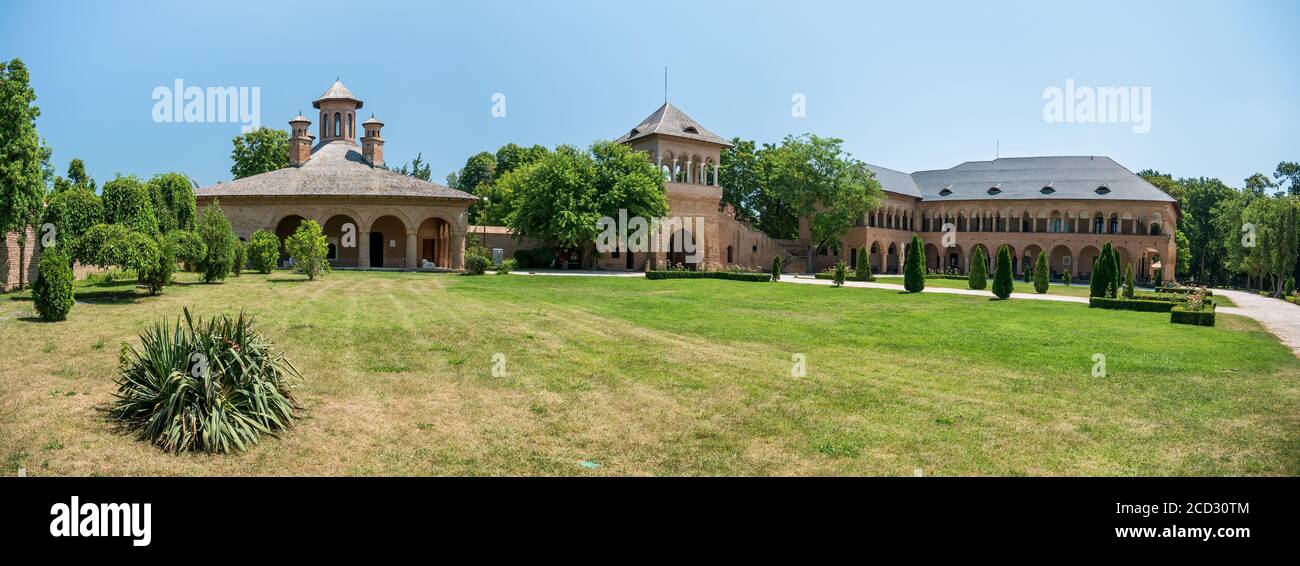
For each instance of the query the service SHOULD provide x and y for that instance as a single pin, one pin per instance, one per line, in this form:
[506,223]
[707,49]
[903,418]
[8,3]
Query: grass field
[1074,290]
[674,377]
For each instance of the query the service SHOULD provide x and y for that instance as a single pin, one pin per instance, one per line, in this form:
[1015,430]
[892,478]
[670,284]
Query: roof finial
[665,84]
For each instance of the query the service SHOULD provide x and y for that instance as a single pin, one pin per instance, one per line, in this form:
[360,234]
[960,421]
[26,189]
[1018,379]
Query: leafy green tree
[241,258]
[560,199]
[187,246]
[1288,174]
[1204,235]
[978,278]
[77,179]
[738,173]
[259,151]
[1172,187]
[1259,184]
[52,291]
[914,267]
[1042,273]
[172,195]
[479,169]
[510,157]
[309,248]
[419,169]
[864,265]
[127,203]
[1003,283]
[1101,276]
[1115,273]
[264,251]
[776,268]
[72,212]
[813,177]
[1129,291]
[160,273]
[214,229]
[23,158]
[114,245]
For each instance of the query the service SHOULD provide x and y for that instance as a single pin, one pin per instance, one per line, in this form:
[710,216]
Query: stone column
[363,254]
[458,251]
[412,257]
[690,172]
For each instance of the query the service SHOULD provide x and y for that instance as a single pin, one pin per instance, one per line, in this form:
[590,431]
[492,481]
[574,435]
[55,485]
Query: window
[352,132]
[729,250]
[994,190]
[1155,229]
[690,130]
[1103,190]
[1047,190]
[333,252]
[338,125]
[945,192]
[755,248]
[1114,225]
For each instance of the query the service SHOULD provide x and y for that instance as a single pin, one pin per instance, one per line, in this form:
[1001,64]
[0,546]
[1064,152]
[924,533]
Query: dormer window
[1103,190]
[634,132]
[1047,190]
[994,190]
[945,192]
[690,130]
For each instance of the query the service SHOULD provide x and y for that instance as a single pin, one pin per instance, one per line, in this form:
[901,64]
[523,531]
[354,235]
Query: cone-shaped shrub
[1116,272]
[864,265]
[1002,279]
[1128,282]
[1066,278]
[1041,273]
[839,274]
[1101,277]
[52,290]
[914,267]
[979,277]
[776,268]
[1028,275]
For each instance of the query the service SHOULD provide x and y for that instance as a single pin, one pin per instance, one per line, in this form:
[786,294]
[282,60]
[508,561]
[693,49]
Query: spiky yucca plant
[204,386]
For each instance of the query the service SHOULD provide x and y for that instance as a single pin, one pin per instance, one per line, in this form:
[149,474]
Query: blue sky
[909,86]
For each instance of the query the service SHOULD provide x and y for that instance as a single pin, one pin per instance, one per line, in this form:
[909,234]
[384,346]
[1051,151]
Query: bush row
[1183,290]
[1140,305]
[1203,317]
[708,275]
[849,277]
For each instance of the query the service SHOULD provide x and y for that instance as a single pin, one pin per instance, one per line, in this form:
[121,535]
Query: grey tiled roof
[1020,178]
[336,168]
[337,91]
[895,181]
[669,121]
[1024,178]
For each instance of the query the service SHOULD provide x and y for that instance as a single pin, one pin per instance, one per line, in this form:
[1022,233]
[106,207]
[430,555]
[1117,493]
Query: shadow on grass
[121,297]
[284,280]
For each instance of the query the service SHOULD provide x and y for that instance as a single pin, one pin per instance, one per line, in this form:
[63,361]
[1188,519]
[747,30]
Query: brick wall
[9,260]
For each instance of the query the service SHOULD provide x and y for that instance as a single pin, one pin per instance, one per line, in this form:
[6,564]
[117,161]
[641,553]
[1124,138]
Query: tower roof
[670,121]
[337,91]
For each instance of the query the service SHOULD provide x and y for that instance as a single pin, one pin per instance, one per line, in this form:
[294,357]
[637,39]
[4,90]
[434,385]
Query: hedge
[1183,290]
[1203,317]
[1293,299]
[954,277]
[756,277]
[1139,305]
[849,277]
[1166,298]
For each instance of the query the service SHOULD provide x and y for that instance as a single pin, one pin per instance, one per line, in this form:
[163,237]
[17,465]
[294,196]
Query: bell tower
[372,146]
[338,114]
[299,140]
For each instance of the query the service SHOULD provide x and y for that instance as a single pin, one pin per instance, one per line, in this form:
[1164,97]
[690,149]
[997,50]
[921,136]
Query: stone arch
[284,227]
[435,239]
[954,258]
[1126,259]
[988,258]
[876,253]
[932,257]
[1083,263]
[1030,256]
[388,241]
[678,245]
[343,232]
[892,256]
[1060,260]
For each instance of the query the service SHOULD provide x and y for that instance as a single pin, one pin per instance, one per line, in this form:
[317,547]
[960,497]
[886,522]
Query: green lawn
[674,377]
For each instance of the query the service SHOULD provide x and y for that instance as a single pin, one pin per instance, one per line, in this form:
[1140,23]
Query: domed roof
[337,91]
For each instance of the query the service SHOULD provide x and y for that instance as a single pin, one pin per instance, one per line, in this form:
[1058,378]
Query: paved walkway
[1279,317]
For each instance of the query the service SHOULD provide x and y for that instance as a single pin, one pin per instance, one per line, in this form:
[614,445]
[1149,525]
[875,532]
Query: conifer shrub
[978,278]
[1003,283]
[839,273]
[776,268]
[241,258]
[1128,282]
[52,290]
[1042,273]
[214,229]
[914,268]
[160,273]
[863,272]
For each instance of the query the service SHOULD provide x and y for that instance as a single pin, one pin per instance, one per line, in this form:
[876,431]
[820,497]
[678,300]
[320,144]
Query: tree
[1114,274]
[479,169]
[309,248]
[1042,273]
[1166,183]
[187,246]
[1204,237]
[240,258]
[214,229]
[172,195]
[813,177]
[739,176]
[160,273]
[864,265]
[52,290]
[776,268]
[978,278]
[261,150]
[839,273]
[72,212]
[510,157]
[1259,184]
[264,251]
[1128,282]
[127,203]
[914,266]
[560,199]
[1002,278]
[23,158]
[114,245]
[77,179]
[419,169]
[1101,276]
[1288,173]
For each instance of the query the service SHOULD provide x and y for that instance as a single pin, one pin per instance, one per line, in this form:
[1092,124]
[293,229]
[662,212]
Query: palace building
[372,217]
[1068,207]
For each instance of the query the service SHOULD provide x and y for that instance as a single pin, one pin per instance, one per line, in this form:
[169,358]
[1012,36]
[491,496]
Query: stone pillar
[412,256]
[690,171]
[673,174]
[458,251]
[363,254]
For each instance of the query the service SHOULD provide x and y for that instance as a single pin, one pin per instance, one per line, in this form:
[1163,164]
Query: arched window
[352,132]
[1098,225]
[338,125]
[729,260]
[1114,225]
[1155,229]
